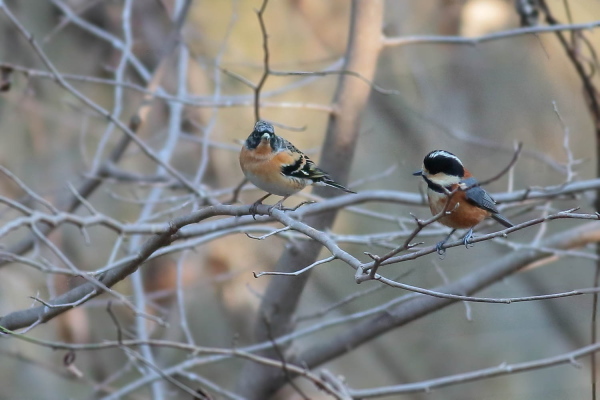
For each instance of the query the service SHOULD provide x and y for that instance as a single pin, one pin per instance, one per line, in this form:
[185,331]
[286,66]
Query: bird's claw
[254,210]
[439,248]
[467,239]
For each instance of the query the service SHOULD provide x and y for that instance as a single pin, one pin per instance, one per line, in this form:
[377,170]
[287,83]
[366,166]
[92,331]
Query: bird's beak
[266,136]
[418,173]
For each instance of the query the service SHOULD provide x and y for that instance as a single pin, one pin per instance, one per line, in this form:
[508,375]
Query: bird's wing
[296,164]
[477,196]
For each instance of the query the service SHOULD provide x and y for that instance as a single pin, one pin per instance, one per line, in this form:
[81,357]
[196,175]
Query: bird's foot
[254,209]
[439,248]
[467,239]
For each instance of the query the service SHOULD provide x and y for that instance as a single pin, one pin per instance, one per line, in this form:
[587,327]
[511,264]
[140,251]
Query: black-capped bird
[468,206]
[276,166]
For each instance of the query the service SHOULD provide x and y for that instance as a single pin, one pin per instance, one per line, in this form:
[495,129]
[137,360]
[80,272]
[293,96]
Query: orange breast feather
[264,170]
[463,214]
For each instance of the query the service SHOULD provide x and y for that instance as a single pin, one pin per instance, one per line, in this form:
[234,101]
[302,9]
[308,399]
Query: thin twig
[266,68]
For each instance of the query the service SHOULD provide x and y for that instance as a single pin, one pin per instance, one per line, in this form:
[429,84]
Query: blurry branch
[290,223]
[266,69]
[362,275]
[407,245]
[191,349]
[59,217]
[592,99]
[27,190]
[289,377]
[109,278]
[51,220]
[409,307]
[508,167]
[165,155]
[282,295]
[502,369]
[93,182]
[118,94]
[102,34]
[434,39]
[134,355]
[590,91]
[84,191]
[94,106]
[224,102]
[412,307]
[202,394]
[355,74]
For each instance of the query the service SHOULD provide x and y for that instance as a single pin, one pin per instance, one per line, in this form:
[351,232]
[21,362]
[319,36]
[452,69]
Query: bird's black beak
[418,173]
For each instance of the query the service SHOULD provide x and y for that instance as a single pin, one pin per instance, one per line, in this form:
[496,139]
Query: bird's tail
[336,185]
[502,220]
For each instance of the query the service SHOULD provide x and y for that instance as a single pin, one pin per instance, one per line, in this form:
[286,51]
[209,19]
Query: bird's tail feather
[336,185]
[502,220]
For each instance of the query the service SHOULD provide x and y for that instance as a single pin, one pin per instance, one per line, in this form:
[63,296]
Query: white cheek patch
[443,179]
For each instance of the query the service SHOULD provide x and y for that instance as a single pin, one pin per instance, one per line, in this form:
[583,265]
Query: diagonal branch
[417,306]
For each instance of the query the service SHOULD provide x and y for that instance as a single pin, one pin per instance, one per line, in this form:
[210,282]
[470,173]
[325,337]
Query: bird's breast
[463,215]
[264,171]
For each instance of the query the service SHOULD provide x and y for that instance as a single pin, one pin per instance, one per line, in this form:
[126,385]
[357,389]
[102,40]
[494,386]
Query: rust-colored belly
[463,215]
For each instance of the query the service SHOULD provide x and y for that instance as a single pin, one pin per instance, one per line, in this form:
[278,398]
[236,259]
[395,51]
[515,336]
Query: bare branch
[502,369]
[432,39]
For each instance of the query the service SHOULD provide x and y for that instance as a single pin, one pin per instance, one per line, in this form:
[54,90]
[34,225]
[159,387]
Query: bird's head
[263,134]
[442,168]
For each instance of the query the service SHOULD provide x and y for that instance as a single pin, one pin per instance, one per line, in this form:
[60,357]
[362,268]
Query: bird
[276,166]
[444,172]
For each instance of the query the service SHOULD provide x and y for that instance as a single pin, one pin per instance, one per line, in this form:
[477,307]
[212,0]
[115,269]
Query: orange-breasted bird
[276,166]
[470,205]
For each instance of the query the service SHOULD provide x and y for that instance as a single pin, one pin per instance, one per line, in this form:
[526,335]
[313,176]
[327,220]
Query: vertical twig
[266,68]
[165,154]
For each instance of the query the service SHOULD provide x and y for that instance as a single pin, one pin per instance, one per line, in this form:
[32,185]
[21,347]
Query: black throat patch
[435,187]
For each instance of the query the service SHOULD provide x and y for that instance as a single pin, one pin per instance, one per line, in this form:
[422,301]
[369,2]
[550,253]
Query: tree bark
[283,293]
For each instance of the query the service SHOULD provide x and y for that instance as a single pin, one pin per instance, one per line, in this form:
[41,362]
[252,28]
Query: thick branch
[66,301]
[282,295]
[419,306]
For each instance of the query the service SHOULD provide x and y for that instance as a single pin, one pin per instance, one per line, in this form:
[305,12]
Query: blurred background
[475,101]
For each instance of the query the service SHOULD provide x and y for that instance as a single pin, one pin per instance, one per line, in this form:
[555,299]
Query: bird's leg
[255,205]
[439,247]
[467,238]
[279,204]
